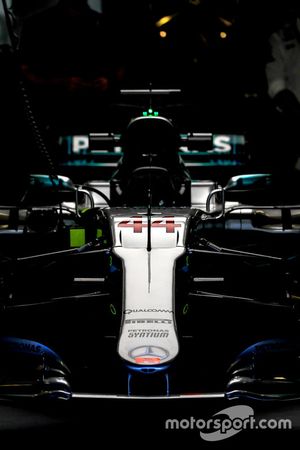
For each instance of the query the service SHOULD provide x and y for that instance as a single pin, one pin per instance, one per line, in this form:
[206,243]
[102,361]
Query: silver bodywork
[148,330]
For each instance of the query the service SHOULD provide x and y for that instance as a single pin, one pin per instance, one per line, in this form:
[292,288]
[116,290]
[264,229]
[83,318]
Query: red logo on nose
[137,224]
[147,360]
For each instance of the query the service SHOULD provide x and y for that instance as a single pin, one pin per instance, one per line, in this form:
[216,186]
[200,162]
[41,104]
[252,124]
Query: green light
[150,112]
[112,309]
[185,309]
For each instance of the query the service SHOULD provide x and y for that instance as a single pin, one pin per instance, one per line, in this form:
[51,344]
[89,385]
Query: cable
[28,108]
[37,136]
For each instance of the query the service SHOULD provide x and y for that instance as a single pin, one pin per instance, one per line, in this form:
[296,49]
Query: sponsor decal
[18,345]
[148,354]
[27,346]
[161,321]
[137,224]
[147,360]
[152,333]
[151,310]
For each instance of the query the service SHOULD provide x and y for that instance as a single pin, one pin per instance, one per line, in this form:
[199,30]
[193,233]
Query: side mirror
[268,370]
[46,190]
[245,189]
[253,181]
[254,188]
[215,202]
[29,369]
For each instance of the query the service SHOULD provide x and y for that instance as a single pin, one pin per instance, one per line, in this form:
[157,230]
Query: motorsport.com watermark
[227,423]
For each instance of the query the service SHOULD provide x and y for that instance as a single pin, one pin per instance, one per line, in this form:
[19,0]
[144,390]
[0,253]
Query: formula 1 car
[150,284]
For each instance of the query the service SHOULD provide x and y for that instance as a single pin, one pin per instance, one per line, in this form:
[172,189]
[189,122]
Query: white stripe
[154,397]
[89,280]
[206,279]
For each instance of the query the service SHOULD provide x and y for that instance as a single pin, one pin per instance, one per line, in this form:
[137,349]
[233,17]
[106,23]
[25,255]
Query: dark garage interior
[149,220]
